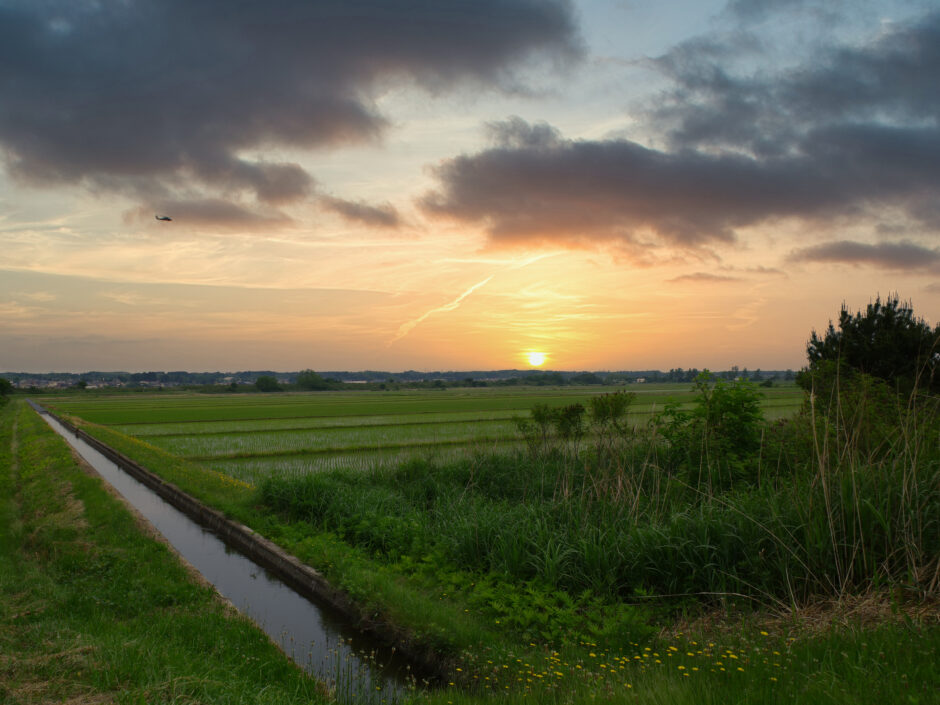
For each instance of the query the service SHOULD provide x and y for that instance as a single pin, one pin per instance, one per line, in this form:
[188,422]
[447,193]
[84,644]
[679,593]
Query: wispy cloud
[703,277]
[40,296]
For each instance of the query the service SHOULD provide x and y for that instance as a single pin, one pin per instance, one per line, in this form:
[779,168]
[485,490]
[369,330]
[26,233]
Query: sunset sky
[452,184]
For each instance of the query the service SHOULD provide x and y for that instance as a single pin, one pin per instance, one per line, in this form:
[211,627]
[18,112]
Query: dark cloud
[845,136]
[898,255]
[517,133]
[616,189]
[145,95]
[381,216]
[888,81]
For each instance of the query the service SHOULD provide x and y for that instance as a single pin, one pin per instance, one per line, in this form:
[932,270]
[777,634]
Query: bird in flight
[163,217]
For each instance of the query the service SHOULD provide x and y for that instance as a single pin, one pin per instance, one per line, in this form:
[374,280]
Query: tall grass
[832,501]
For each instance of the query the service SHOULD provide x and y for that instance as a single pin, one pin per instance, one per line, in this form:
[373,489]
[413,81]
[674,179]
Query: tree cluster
[886,342]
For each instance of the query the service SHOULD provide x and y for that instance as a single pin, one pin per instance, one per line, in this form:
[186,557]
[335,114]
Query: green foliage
[609,419]
[566,548]
[585,378]
[609,411]
[551,429]
[310,380]
[853,408]
[716,443]
[6,387]
[816,504]
[887,342]
[266,383]
[613,525]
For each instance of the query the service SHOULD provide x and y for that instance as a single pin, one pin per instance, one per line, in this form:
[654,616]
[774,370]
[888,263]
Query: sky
[428,185]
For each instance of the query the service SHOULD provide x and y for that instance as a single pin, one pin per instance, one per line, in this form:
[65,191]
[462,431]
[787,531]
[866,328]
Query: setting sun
[536,359]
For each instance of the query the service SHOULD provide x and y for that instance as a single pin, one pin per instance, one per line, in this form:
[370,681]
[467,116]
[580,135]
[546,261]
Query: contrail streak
[409,325]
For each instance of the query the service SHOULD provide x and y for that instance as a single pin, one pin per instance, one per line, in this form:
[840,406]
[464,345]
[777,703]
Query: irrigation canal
[321,640]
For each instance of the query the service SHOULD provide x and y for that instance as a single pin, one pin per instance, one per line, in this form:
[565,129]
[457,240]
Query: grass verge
[94,610]
[482,624]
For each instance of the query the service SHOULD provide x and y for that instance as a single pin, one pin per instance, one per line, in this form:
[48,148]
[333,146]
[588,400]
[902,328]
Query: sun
[536,359]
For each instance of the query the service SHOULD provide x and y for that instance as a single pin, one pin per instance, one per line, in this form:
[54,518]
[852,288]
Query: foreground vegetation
[559,569]
[93,610]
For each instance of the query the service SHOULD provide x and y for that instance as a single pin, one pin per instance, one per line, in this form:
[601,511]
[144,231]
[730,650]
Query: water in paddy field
[320,640]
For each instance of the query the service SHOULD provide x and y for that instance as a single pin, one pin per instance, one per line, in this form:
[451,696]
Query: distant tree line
[310,380]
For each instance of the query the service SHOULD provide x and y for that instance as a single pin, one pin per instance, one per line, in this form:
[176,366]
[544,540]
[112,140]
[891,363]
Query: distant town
[269,380]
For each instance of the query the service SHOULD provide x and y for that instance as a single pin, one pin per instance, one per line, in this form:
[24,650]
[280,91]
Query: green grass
[887,664]
[306,423]
[151,409]
[92,610]
[253,436]
[574,559]
[255,469]
[155,409]
[395,435]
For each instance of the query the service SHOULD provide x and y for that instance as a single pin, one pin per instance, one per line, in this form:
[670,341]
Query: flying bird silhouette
[163,217]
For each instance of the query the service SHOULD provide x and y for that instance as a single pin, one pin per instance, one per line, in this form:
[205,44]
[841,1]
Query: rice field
[252,436]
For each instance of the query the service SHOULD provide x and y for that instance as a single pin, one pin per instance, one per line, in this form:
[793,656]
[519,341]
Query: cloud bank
[166,99]
[899,255]
[851,133]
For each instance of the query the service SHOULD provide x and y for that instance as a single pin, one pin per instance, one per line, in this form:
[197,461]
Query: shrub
[267,383]
[715,444]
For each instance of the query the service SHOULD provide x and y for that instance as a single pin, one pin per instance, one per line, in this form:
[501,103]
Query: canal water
[317,637]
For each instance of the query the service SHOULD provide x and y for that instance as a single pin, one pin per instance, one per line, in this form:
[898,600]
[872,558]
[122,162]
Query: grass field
[251,436]
[734,551]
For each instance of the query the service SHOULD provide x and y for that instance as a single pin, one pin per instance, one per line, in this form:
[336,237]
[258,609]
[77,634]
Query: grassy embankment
[559,572]
[93,610]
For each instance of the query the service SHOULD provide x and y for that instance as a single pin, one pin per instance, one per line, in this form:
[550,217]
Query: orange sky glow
[575,188]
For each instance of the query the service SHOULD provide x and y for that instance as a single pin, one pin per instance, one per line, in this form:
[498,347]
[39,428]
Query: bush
[310,380]
[716,444]
[266,383]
